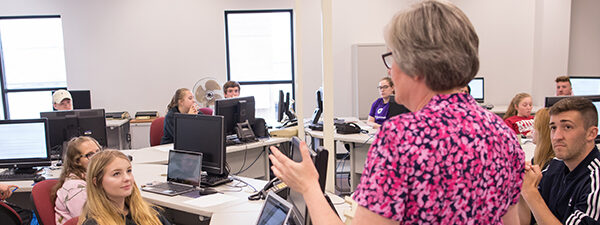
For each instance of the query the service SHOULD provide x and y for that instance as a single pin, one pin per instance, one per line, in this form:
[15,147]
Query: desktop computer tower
[117,133]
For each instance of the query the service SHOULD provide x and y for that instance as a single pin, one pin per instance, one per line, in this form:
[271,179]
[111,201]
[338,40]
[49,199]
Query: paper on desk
[211,200]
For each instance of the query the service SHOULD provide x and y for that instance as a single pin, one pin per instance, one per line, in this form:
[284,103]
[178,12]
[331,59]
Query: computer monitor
[319,109]
[81,99]
[477,89]
[64,125]
[319,157]
[205,134]
[280,107]
[234,111]
[550,101]
[585,85]
[283,107]
[24,144]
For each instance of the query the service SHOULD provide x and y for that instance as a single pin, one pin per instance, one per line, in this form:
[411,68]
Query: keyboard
[212,181]
[173,187]
[10,176]
[230,142]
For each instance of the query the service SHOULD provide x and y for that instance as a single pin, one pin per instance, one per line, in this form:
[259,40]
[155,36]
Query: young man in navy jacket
[568,191]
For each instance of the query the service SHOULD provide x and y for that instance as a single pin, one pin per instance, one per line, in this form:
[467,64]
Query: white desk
[238,156]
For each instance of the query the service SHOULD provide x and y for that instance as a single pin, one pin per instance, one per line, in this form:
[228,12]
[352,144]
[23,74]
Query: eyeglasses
[89,154]
[387,60]
[383,87]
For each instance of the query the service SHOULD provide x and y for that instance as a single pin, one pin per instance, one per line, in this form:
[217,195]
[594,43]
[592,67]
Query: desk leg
[267,163]
[352,167]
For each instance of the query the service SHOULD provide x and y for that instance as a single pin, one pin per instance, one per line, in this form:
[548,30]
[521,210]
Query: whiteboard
[367,70]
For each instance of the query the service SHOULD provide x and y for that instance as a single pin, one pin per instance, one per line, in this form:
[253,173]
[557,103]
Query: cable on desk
[247,184]
[244,162]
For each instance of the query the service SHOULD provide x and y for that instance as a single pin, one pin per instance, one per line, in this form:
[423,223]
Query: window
[32,64]
[260,56]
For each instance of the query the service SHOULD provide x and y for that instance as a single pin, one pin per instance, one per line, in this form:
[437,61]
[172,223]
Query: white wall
[134,54]
[584,53]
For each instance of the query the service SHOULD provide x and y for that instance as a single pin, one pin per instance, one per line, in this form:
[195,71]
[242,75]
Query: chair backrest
[44,206]
[72,221]
[206,111]
[9,215]
[156,130]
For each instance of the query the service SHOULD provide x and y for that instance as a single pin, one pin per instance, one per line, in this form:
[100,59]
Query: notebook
[275,211]
[183,174]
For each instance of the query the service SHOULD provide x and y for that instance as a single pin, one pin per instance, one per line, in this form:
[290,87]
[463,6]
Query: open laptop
[183,174]
[275,211]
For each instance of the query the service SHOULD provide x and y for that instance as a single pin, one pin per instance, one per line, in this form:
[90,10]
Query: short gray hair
[435,40]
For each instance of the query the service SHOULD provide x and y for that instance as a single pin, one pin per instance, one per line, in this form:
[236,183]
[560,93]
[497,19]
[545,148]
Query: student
[563,86]
[113,195]
[62,100]
[567,191]
[231,89]
[518,115]
[182,102]
[465,90]
[541,138]
[449,161]
[69,193]
[6,191]
[379,108]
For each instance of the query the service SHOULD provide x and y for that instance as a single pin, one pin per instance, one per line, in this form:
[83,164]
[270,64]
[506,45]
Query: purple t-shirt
[379,111]
[451,162]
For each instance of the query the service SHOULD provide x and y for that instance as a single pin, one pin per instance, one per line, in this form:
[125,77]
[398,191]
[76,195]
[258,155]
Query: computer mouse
[206,191]
[38,178]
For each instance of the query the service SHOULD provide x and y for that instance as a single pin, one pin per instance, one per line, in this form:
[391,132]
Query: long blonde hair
[100,208]
[543,148]
[70,165]
[512,110]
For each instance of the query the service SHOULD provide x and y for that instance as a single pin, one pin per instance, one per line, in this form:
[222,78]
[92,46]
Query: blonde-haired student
[113,196]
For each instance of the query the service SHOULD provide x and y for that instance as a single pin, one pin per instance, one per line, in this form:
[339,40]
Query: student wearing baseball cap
[62,100]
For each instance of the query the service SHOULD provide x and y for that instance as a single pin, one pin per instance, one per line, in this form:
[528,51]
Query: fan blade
[212,85]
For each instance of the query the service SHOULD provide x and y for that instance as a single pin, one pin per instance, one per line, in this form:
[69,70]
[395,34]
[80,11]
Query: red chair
[156,130]
[44,206]
[206,111]
[72,221]
[9,215]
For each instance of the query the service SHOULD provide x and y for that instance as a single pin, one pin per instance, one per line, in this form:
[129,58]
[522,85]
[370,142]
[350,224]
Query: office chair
[156,130]
[9,215]
[72,221]
[206,111]
[44,206]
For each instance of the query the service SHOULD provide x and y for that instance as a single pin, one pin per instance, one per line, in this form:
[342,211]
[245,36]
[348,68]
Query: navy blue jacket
[573,196]
[169,126]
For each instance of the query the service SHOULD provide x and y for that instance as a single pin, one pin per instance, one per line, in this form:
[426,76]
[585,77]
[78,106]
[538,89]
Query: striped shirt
[573,196]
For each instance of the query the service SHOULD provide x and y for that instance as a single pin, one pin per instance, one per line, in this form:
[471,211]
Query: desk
[238,156]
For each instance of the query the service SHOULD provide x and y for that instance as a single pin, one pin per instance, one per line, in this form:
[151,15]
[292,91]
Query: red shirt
[519,124]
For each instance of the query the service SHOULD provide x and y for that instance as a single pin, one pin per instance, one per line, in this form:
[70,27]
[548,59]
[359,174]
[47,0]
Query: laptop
[275,211]
[183,174]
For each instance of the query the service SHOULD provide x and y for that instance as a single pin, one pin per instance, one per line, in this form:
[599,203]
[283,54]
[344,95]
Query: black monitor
[319,157]
[283,108]
[477,89]
[585,85]
[550,101]
[24,144]
[205,134]
[319,109]
[280,107]
[64,125]
[234,111]
[81,99]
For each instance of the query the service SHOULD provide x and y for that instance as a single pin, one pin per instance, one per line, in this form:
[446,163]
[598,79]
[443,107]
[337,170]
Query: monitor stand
[212,180]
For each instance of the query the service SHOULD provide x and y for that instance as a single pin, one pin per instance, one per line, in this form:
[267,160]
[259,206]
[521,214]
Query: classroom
[133,55]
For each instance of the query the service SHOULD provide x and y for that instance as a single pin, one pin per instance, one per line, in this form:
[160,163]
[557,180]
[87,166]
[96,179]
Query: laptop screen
[184,167]
[275,211]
